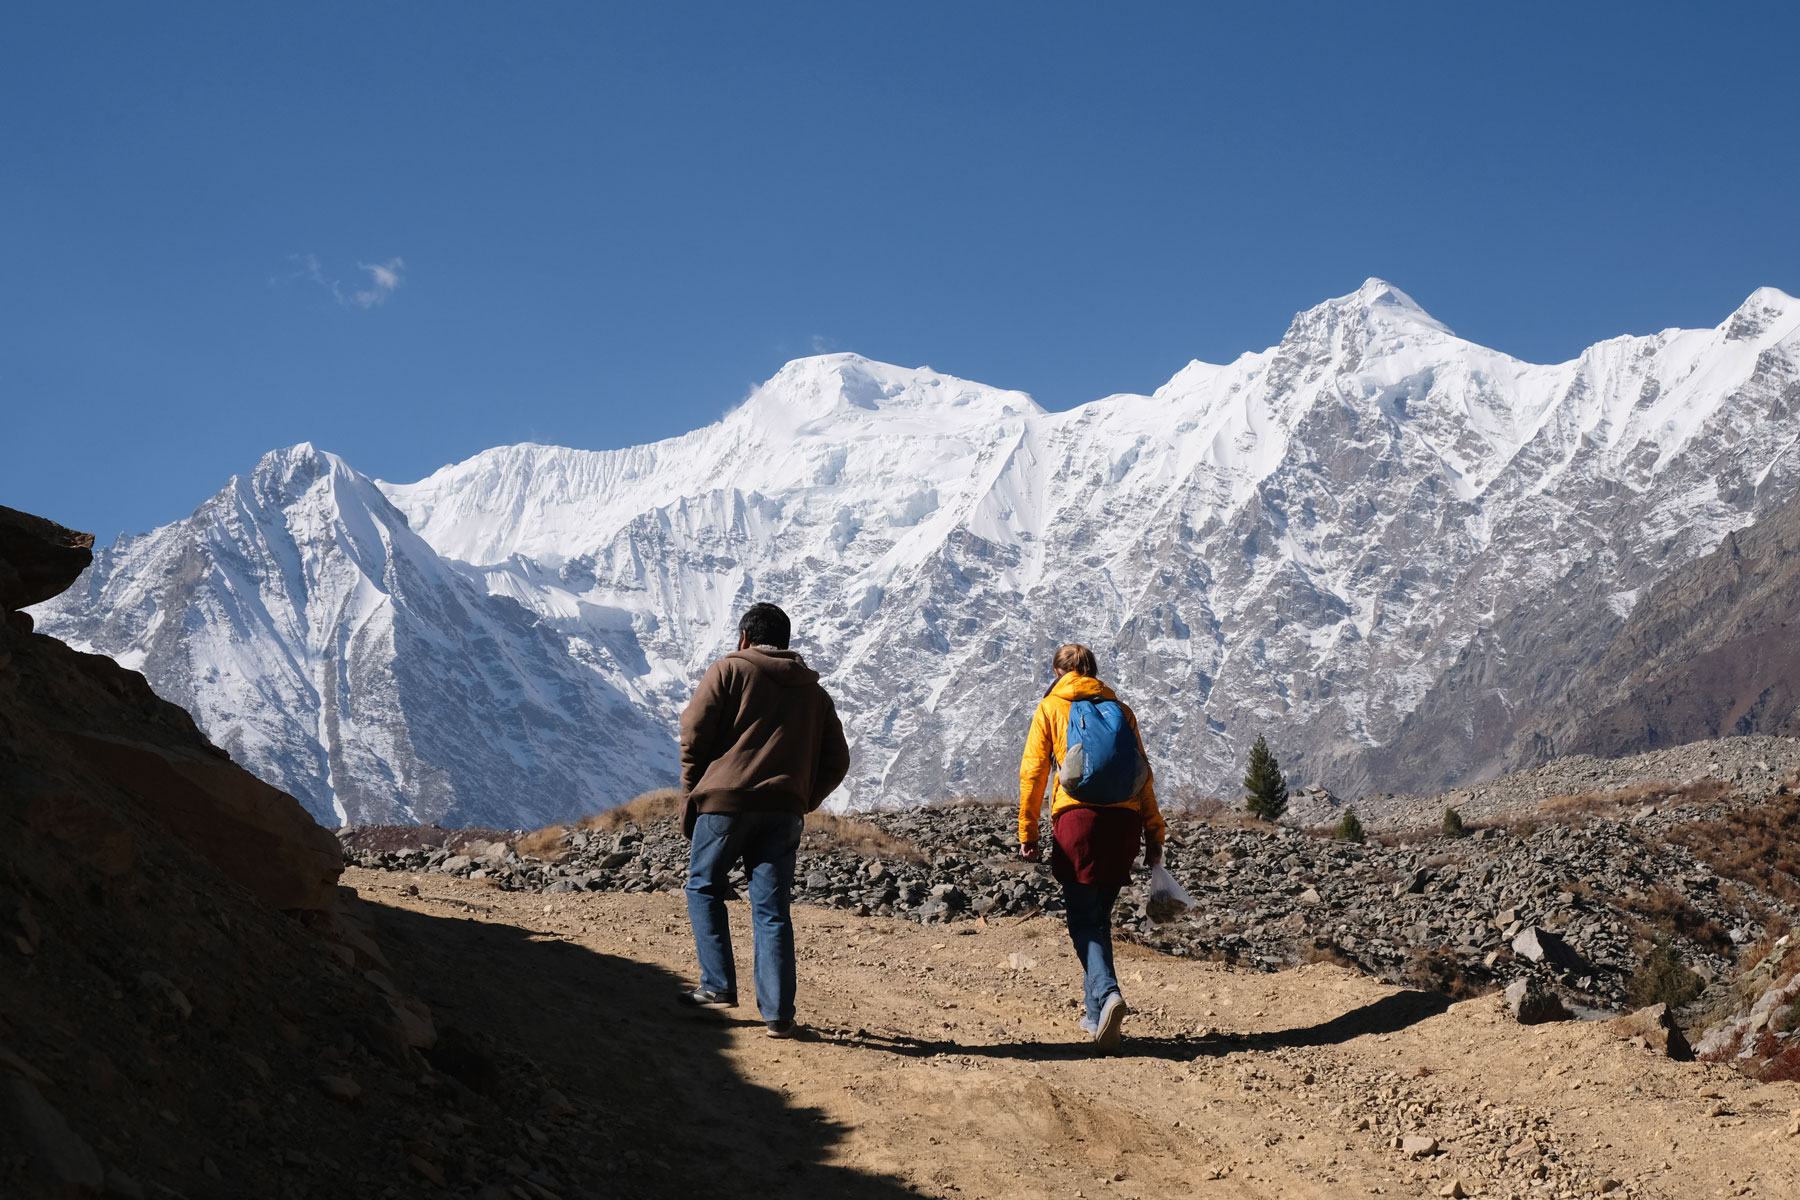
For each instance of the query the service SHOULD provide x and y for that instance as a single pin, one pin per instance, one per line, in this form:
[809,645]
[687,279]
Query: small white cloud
[384,279]
[822,344]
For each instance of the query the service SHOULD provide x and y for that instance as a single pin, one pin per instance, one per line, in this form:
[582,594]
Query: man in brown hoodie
[761,746]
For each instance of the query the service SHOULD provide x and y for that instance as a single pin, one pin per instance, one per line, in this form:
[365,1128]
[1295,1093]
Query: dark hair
[1077,658]
[766,625]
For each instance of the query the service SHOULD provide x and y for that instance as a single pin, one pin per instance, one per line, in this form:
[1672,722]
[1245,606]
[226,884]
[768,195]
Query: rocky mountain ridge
[1376,542]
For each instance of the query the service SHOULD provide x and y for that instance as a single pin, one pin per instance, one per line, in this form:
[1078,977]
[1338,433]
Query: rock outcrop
[189,1004]
[38,558]
[79,726]
[1757,1021]
[1655,1026]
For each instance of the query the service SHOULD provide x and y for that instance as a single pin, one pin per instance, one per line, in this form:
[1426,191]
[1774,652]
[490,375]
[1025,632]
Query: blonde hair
[1077,658]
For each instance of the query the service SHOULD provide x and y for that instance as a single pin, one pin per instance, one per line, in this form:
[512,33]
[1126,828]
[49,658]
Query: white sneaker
[1110,1028]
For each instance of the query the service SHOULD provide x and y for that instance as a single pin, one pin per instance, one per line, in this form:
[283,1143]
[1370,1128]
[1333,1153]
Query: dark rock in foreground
[38,558]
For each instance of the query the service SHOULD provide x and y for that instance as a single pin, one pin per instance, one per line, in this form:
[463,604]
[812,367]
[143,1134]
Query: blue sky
[408,232]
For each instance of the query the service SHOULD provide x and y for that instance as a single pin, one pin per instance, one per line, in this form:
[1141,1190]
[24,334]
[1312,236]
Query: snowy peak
[832,432]
[809,391]
[1375,313]
[1769,315]
[328,506]
[1380,296]
[304,472]
[293,470]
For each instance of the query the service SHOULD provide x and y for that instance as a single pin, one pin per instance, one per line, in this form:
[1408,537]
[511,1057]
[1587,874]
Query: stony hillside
[1585,879]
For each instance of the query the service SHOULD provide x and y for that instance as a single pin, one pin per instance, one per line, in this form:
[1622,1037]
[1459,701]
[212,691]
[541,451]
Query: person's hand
[1153,854]
[1028,851]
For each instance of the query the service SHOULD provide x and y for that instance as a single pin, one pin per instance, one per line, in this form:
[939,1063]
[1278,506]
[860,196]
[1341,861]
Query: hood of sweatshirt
[785,667]
[1074,687]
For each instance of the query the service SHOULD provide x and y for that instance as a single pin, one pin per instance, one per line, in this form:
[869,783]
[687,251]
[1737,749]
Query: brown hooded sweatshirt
[760,735]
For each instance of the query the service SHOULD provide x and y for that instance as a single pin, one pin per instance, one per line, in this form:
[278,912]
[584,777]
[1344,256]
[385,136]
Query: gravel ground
[1569,892]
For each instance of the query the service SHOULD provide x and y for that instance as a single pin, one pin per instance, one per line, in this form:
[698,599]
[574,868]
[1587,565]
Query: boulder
[62,1162]
[1541,946]
[1531,1003]
[87,740]
[1658,1029]
[38,558]
[254,833]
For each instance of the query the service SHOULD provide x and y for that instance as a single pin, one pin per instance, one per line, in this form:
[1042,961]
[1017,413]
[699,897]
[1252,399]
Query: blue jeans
[1090,928]
[767,842]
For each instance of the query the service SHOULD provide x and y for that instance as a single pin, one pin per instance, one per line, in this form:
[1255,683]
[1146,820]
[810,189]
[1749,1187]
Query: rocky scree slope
[1711,650]
[1381,544]
[188,1006]
[1751,768]
[1571,894]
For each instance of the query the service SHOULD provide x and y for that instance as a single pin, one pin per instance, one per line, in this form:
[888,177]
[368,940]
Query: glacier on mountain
[1297,543]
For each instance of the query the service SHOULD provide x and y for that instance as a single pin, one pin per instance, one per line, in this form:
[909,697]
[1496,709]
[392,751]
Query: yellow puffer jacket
[1049,741]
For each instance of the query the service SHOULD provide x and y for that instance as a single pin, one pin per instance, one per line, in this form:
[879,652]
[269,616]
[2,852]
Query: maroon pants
[1095,845]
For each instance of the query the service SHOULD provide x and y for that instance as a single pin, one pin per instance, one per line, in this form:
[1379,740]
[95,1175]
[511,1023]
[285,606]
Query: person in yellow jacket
[1092,846]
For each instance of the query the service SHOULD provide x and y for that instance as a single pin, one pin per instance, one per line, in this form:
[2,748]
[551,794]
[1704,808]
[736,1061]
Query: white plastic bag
[1168,899]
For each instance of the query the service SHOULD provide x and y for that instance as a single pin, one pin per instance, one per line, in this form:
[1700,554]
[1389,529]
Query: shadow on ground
[674,1117]
[1390,1014]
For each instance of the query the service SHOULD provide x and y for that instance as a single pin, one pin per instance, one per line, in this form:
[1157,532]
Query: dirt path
[946,1061]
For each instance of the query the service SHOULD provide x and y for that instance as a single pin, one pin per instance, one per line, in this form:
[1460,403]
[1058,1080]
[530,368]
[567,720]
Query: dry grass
[545,845]
[1237,819]
[1751,845]
[1668,914]
[824,831]
[1184,799]
[550,844]
[1768,943]
[1783,1066]
[1585,807]
[1437,969]
[1662,978]
[1395,838]
[1770,1059]
[647,809]
[829,831]
[1322,950]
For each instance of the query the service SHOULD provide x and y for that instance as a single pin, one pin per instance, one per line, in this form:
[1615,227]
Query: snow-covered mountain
[317,638]
[1304,542]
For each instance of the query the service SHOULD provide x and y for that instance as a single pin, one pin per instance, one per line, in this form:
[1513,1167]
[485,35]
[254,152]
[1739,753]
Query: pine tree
[1453,823]
[1268,790]
[1349,829]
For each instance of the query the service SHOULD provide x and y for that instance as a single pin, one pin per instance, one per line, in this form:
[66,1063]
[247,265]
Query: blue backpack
[1103,764]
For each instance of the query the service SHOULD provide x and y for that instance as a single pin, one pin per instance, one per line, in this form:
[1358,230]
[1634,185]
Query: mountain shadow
[674,1118]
